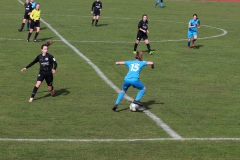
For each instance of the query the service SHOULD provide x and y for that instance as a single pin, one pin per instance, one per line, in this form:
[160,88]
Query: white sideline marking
[164,126]
[119,140]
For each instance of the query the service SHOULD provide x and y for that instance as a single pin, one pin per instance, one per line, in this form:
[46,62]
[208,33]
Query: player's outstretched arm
[120,63]
[151,64]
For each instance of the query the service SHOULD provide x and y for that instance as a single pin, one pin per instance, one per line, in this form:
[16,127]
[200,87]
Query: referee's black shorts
[34,24]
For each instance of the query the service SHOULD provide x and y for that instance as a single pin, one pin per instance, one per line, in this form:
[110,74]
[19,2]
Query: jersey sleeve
[101,5]
[93,6]
[139,25]
[32,13]
[54,63]
[33,62]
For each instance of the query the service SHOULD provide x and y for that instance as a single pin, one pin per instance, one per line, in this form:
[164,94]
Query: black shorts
[34,24]
[96,13]
[26,16]
[142,35]
[48,76]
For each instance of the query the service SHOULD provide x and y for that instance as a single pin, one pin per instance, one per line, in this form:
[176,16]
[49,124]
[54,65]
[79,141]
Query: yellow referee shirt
[35,14]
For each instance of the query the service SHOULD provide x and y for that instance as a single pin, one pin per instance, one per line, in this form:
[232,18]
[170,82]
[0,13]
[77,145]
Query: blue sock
[120,97]
[162,5]
[156,4]
[140,94]
[188,44]
[28,25]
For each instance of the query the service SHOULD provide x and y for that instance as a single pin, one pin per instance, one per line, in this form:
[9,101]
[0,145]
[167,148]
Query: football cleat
[114,107]
[52,92]
[151,52]
[137,102]
[30,100]
[134,52]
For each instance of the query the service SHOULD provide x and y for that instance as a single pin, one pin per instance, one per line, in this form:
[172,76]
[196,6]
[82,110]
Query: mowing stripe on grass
[164,126]
[119,140]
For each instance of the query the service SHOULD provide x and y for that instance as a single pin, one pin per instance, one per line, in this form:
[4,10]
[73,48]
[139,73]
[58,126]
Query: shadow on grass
[146,51]
[44,39]
[100,25]
[59,92]
[145,104]
[197,46]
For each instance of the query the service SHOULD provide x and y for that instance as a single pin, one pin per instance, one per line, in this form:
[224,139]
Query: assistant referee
[35,22]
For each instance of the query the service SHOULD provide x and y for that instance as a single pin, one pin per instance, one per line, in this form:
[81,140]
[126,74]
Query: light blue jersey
[135,67]
[132,77]
[193,23]
[33,5]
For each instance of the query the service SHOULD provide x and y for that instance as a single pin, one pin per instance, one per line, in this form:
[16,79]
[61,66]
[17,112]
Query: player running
[193,26]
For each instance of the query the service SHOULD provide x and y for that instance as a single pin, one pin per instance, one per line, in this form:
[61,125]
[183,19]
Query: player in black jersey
[95,10]
[28,10]
[142,34]
[48,66]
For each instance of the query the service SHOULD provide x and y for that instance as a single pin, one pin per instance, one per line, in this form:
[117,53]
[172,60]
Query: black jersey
[46,62]
[143,25]
[28,7]
[96,6]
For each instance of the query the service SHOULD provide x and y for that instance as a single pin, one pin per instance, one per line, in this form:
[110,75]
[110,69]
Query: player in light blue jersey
[33,7]
[193,26]
[160,2]
[33,4]
[132,78]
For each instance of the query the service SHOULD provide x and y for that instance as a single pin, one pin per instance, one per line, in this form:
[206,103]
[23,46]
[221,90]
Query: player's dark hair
[194,15]
[46,44]
[139,56]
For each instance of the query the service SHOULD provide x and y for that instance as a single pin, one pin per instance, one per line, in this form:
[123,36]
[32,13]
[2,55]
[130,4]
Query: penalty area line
[117,140]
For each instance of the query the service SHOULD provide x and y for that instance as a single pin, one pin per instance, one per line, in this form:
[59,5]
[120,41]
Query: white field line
[124,42]
[118,140]
[159,122]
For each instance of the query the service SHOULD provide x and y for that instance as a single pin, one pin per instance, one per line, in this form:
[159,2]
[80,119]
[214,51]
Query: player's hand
[147,31]
[198,26]
[100,9]
[152,66]
[24,69]
[91,12]
[53,70]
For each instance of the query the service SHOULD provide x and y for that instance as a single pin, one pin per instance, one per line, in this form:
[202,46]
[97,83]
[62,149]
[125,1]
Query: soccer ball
[133,107]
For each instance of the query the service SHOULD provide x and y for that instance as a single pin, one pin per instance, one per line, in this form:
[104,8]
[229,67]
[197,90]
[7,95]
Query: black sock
[34,91]
[148,46]
[36,34]
[93,21]
[96,22]
[22,25]
[135,46]
[29,35]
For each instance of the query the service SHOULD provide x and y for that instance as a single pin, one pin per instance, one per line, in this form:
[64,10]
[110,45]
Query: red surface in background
[222,0]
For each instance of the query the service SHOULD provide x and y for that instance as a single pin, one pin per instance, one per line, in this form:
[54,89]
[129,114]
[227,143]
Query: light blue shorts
[191,34]
[136,83]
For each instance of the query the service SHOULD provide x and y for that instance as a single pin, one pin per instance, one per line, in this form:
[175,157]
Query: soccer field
[192,99]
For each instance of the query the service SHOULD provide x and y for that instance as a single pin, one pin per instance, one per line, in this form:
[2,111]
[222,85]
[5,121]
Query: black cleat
[20,30]
[114,107]
[96,25]
[137,102]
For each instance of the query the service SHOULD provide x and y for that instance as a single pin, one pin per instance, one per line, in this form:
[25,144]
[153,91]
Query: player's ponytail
[139,56]
[47,44]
